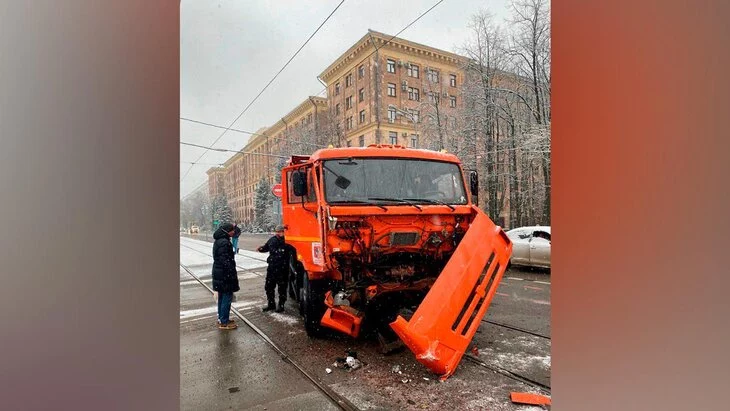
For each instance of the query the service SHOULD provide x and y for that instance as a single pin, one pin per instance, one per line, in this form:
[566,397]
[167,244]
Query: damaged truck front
[389,240]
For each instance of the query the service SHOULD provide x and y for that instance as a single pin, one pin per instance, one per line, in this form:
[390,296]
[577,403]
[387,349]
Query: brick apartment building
[384,91]
[265,153]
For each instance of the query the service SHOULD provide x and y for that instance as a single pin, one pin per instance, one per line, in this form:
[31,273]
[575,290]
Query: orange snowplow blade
[444,324]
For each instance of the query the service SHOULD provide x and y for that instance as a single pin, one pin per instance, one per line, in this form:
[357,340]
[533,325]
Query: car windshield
[397,181]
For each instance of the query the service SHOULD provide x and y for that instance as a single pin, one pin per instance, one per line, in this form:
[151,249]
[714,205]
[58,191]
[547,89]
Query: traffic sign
[276,190]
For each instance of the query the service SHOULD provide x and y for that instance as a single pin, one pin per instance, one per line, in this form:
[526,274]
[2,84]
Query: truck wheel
[311,306]
[293,287]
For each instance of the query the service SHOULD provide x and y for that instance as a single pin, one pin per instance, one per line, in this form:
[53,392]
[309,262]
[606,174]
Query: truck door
[300,219]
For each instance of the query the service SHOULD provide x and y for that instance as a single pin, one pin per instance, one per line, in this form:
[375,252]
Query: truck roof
[382,150]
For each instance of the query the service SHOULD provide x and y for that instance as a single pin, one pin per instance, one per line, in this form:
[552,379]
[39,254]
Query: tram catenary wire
[320,92]
[337,399]
[265,87]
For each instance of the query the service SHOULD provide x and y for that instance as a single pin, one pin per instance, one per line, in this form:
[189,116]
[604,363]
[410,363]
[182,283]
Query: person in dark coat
[277,273]
[234,238]
[225,277]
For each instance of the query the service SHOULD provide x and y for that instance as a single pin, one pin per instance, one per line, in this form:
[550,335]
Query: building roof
[364,45]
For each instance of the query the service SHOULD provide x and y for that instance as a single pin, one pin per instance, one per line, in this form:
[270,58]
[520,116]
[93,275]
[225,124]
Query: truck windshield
[383,180]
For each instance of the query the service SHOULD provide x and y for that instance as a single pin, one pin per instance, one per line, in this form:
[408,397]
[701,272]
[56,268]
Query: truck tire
[293,286]
[311,305]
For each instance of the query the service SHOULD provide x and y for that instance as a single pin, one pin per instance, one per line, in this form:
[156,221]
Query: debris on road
[349,363]
[396,369]
[405,380]
[529,398]
[353,363]
[328,370]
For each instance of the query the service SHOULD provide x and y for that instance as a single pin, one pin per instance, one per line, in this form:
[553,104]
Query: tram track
[509,374]
[515,328]
[342,402]
[249,270]
[337,399]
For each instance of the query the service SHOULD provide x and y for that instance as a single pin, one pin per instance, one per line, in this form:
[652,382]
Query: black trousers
[276,277]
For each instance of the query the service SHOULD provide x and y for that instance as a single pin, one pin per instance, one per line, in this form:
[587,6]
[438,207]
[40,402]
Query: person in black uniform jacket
[225,277]
[277,272]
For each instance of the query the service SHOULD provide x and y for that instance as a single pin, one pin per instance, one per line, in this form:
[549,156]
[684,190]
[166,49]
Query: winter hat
[226,227]
[279,228]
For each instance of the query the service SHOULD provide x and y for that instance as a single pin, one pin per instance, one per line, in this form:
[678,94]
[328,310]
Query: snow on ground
[196,252]
[284,318]
[213,309]
[518,361]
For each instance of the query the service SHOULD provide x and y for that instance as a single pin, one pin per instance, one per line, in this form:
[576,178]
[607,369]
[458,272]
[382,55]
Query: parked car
[194,229]
[530,246]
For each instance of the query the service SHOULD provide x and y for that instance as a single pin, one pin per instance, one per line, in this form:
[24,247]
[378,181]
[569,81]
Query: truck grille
[407,238]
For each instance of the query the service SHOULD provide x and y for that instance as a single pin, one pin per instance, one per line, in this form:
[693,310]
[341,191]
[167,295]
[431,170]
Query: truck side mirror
[474,183]
[299,183]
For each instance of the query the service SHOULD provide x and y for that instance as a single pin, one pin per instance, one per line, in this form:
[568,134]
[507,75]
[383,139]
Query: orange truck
[389,241]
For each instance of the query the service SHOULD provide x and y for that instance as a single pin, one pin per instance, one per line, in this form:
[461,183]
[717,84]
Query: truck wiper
[397,200]
[357,202]
[428,200]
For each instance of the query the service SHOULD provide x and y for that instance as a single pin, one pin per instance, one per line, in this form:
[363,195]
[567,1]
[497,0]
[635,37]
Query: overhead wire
[252,133]
[395,35]
[420,16]
[265,87]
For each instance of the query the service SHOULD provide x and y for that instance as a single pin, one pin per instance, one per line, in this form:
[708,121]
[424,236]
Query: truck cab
[376,230]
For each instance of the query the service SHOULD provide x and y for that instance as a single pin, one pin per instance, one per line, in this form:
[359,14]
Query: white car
[530,246]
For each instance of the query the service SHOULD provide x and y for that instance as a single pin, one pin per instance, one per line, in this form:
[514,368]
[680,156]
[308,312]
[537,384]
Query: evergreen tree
[221,211]
[262,207]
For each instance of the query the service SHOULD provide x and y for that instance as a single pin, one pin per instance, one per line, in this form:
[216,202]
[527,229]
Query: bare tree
[530,48]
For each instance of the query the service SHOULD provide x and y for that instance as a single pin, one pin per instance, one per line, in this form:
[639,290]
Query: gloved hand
[260,249]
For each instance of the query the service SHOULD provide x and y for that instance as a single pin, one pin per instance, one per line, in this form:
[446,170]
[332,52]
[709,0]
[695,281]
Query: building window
[391,89]
[349,123]
[361,71]
[452,80]
[362,116]
[433,76]
[348,80]
[361,95]
[309,118]
[349,143]
[413,70]
[337,109]
[413,94]
[362,140]
[452,101]
[391,115]
[337,89]
[433,98]
[348,102]
[393,137]
[391,66]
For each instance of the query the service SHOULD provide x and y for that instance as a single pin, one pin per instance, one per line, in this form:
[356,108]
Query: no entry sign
[276,189]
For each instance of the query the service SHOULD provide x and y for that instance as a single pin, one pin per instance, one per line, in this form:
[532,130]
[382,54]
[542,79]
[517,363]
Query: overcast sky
[229,50]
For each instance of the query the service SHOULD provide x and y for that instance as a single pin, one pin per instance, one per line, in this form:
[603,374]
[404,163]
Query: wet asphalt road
[238,370]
